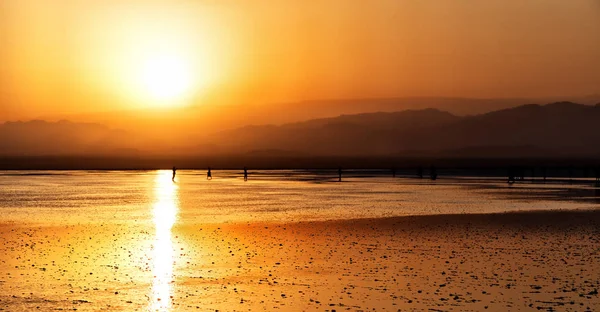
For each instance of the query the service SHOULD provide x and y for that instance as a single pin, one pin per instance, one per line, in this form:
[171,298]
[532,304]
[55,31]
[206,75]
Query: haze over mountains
[177,126]
[558,129]
[212,115]
[561,129]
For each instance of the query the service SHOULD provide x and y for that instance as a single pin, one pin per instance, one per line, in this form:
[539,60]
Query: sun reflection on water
[165,214]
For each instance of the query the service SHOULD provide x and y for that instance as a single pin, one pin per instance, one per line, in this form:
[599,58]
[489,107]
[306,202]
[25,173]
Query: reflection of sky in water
[286,195]
[164,214]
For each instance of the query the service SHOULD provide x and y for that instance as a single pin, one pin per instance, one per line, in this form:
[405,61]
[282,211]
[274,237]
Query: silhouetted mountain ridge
[556,129]
[561,128]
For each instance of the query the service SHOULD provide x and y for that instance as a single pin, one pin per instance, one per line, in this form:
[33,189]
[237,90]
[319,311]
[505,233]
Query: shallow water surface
[115,196]
[137,241]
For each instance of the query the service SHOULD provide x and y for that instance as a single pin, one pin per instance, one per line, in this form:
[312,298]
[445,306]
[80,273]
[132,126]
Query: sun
[166,78]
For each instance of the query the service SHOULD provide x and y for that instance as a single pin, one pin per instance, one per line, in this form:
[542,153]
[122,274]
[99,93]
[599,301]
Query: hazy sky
[87,55]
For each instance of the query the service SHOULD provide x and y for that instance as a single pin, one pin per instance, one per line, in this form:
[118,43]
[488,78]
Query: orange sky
[72,56]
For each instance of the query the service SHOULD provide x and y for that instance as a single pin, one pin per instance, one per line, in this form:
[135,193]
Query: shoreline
[520,220]
[224,162]
[541,217]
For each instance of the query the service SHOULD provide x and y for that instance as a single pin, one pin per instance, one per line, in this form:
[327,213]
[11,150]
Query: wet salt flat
[294,241]
[79,196]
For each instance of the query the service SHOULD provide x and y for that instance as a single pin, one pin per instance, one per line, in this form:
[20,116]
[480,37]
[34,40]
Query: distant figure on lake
[544,173]
[208,174]
[511,175]
[245,174]
[174,173]
[339,174]
[420,172]
[433,173]
[393,172]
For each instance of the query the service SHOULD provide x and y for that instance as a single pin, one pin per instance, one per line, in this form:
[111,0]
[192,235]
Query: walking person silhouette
[208,174]
[174,173]
[433,173]
[245,174]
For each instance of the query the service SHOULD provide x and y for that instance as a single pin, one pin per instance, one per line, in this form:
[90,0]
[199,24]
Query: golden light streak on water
[165,207]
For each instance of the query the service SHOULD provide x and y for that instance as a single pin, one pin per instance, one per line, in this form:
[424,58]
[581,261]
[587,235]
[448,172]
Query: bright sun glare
[165,216]
[166,78]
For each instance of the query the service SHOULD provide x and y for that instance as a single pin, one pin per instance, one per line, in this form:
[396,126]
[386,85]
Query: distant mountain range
[558,129]
[40,137]
[212,115]
[561,129]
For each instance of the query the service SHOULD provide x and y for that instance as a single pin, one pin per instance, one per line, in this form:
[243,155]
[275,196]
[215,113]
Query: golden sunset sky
[74,56]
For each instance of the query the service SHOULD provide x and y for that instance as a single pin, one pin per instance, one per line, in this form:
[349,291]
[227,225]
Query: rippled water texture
[137,241]
[79,196]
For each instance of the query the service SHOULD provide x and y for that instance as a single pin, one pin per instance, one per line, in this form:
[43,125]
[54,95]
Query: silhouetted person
[174,173]
[544,173]
[420,172]
[393,172]
[245,174]
[339,174]
[208,174]
[433,173]
[511,175]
